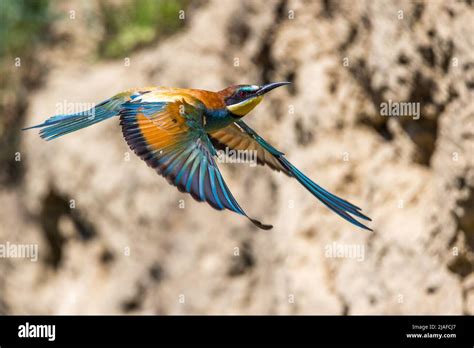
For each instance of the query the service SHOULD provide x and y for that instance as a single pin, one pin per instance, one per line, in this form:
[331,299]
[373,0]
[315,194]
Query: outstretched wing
[169,136]
[240,136]
[236,137]
[59,125]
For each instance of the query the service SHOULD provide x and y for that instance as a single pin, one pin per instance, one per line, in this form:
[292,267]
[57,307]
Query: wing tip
[260,225]
[33,127]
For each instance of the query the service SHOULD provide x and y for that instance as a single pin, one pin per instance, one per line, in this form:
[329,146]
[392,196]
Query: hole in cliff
[447,55]
[418,12]
[381,127]
[372,300]
[303,135]
[265,60]
[242,262]
[465,216]
[428,55]
[238,31]
[461,265]
[131,305]
[54,207]
[291,78]
[13,108]
[156,272]
[363,76]
[135,302]
[423,131]
[328,8]
[11,161]
[106,257]
[403,59]
[351,38]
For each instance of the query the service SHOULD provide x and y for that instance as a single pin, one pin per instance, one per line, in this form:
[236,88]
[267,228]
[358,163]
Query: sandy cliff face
[133,244]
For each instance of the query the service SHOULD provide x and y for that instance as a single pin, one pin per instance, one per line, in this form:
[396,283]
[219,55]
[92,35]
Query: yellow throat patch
[244,107]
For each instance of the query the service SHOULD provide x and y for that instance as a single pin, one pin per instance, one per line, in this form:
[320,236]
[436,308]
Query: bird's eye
[241,94]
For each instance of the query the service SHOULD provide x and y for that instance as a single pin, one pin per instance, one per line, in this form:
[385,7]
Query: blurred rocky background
[114,237]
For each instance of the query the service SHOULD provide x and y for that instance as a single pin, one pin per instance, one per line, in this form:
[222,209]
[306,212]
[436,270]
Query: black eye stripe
[238,96]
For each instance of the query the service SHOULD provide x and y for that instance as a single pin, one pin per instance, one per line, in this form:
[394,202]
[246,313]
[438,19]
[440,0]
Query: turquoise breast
[217,119]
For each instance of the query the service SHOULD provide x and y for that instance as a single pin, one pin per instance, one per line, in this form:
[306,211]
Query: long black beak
[267,88]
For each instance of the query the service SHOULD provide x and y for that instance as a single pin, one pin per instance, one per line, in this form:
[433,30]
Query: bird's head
[241,99]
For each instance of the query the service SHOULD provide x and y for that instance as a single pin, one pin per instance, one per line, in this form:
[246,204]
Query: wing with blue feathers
[59,125]
[240,136]
[168,135]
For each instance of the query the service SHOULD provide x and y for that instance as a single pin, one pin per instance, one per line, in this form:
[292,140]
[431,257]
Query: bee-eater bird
[177,131]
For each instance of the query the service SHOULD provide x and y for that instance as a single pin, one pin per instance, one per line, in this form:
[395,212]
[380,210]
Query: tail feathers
[336,204]
[59,125]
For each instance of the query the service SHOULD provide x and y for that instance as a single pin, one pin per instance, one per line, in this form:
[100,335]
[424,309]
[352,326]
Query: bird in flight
[178,131]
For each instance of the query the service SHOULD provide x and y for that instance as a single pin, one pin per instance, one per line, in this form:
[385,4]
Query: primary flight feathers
[177,131]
